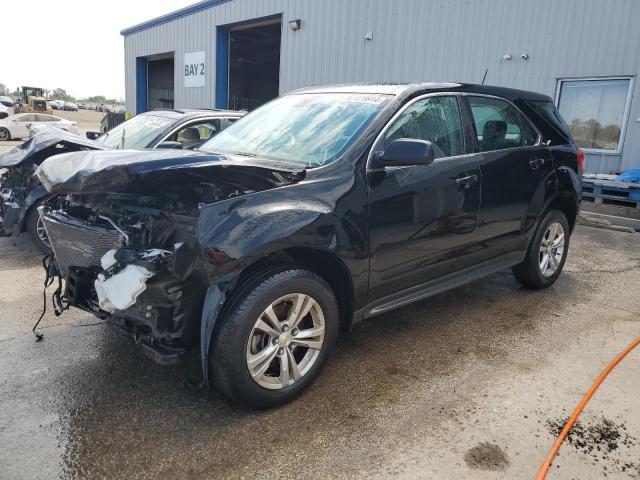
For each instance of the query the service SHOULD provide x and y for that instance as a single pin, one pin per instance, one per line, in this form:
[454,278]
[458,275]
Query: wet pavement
[470,384]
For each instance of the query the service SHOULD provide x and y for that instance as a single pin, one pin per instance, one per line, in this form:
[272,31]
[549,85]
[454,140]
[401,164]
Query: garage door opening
[254,64]
[160,75]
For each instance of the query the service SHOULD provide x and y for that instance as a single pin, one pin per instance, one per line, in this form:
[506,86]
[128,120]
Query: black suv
[21,194]
[321,208]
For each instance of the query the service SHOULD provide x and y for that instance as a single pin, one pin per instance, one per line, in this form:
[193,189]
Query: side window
[436,119]
[46,118]
[196,134]
[499,125]
[30,117]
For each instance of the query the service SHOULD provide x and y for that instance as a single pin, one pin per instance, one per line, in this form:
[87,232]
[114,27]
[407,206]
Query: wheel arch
[325,264]
[568,205]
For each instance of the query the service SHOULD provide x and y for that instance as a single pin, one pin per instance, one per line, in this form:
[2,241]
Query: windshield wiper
[244,154]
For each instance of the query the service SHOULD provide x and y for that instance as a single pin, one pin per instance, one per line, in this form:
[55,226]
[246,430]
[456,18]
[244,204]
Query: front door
[517,172]
[423,218]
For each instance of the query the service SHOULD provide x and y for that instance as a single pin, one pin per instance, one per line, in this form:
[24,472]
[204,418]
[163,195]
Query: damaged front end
[20,190]
[126,242]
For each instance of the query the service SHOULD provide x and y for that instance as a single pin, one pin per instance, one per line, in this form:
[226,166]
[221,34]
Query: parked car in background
[103,108]
[80,106]
[6,101]
[19,126]
[56,104]
[4,111]
[70,107]
[21,193]
[319,209]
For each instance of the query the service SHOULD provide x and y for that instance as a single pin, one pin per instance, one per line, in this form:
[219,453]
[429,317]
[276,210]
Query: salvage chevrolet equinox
[321,208]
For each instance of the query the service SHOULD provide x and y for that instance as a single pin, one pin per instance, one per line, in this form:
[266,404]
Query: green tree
[60,94]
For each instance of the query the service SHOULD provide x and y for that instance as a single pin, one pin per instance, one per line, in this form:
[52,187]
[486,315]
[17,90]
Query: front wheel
[547,252]
[274,339]
[4,134]
[35,229]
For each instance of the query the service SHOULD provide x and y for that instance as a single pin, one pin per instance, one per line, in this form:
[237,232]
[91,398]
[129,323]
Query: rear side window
[547,111]
[499,125]
[436,119]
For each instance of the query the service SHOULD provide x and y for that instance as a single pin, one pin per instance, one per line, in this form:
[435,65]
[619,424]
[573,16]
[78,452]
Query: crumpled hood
[44,144]
[113,170]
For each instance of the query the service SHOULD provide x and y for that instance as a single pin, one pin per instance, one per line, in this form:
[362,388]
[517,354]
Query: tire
[4,134]
[35,230]
[534,272]
[238,342]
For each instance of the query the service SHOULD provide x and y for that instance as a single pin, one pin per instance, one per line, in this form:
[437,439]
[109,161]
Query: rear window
[551,124]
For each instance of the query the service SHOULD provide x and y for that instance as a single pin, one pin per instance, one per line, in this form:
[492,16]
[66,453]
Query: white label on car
[364,98]
[194,69]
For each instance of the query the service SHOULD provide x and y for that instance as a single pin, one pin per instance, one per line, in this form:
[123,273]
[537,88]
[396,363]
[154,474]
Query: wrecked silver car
[20,192]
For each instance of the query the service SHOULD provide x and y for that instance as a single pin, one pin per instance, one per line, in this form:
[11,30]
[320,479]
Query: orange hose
[542,473]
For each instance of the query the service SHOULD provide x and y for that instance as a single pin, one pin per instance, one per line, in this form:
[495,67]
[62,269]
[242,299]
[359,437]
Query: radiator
[76,243]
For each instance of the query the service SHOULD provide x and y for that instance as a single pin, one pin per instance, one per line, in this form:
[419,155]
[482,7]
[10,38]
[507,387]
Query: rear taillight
[580,157]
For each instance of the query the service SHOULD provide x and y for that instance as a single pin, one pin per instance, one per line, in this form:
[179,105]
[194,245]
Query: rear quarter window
[548,120]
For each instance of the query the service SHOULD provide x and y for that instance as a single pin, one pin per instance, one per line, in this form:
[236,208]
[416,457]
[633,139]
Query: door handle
[536,163]
[466,181]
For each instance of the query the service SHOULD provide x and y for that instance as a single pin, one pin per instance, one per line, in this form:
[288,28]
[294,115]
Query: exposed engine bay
[134,259]
[130,253]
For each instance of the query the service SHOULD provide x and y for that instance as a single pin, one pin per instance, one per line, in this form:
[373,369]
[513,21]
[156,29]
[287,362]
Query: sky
[74,45]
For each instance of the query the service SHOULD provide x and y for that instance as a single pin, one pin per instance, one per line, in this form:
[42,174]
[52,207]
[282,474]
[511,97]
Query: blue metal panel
[222,67]
[141,85]
[183,12]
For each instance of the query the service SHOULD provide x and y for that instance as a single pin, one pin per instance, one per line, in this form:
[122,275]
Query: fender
[236,232]
[213,301]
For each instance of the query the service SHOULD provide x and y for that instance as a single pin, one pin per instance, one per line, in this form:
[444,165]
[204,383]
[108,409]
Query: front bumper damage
[132,245]
[140,292]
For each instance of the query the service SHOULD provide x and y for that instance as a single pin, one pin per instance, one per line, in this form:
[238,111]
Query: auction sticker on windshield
[372,99]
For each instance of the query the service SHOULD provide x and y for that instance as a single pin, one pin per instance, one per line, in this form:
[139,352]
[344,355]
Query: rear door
[423,218]
[517,174]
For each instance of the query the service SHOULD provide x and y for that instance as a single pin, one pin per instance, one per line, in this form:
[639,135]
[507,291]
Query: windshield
[136,133]
[312,129]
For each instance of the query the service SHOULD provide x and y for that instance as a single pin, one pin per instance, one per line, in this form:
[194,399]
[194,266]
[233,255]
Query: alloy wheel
[551,249]
[4,134]
[285,341]
[42,233]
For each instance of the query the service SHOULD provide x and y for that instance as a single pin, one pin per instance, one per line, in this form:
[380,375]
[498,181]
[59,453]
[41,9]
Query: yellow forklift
[32,101]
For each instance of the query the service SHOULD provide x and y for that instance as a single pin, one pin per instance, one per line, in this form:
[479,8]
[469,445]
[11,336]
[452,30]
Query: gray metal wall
[422,40]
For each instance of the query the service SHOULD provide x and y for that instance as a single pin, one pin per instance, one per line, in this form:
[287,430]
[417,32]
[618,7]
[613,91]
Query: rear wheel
[35,229]
[547,252]
[4,134]
[274,339]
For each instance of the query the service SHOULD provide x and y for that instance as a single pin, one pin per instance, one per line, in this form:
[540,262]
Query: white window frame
[625,117]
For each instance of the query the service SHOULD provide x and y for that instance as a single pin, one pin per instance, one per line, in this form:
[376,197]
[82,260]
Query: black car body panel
[381,236]
[126,170]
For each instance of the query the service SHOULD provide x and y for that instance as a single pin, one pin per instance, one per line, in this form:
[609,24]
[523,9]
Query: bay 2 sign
[194,69]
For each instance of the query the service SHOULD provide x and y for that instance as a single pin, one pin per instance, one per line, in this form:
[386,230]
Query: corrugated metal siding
[418,40]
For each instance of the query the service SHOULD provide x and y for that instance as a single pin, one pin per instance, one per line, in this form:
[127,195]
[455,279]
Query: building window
[596,110]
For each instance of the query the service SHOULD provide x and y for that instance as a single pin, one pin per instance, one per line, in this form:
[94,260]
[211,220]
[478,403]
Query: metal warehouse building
[241,53]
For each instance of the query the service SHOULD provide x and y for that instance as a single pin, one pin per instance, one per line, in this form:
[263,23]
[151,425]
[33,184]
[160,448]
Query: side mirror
[408,151]
[93,135]
[174,145]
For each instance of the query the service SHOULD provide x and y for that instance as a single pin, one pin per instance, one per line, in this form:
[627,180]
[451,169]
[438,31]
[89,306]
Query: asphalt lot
[470,384]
